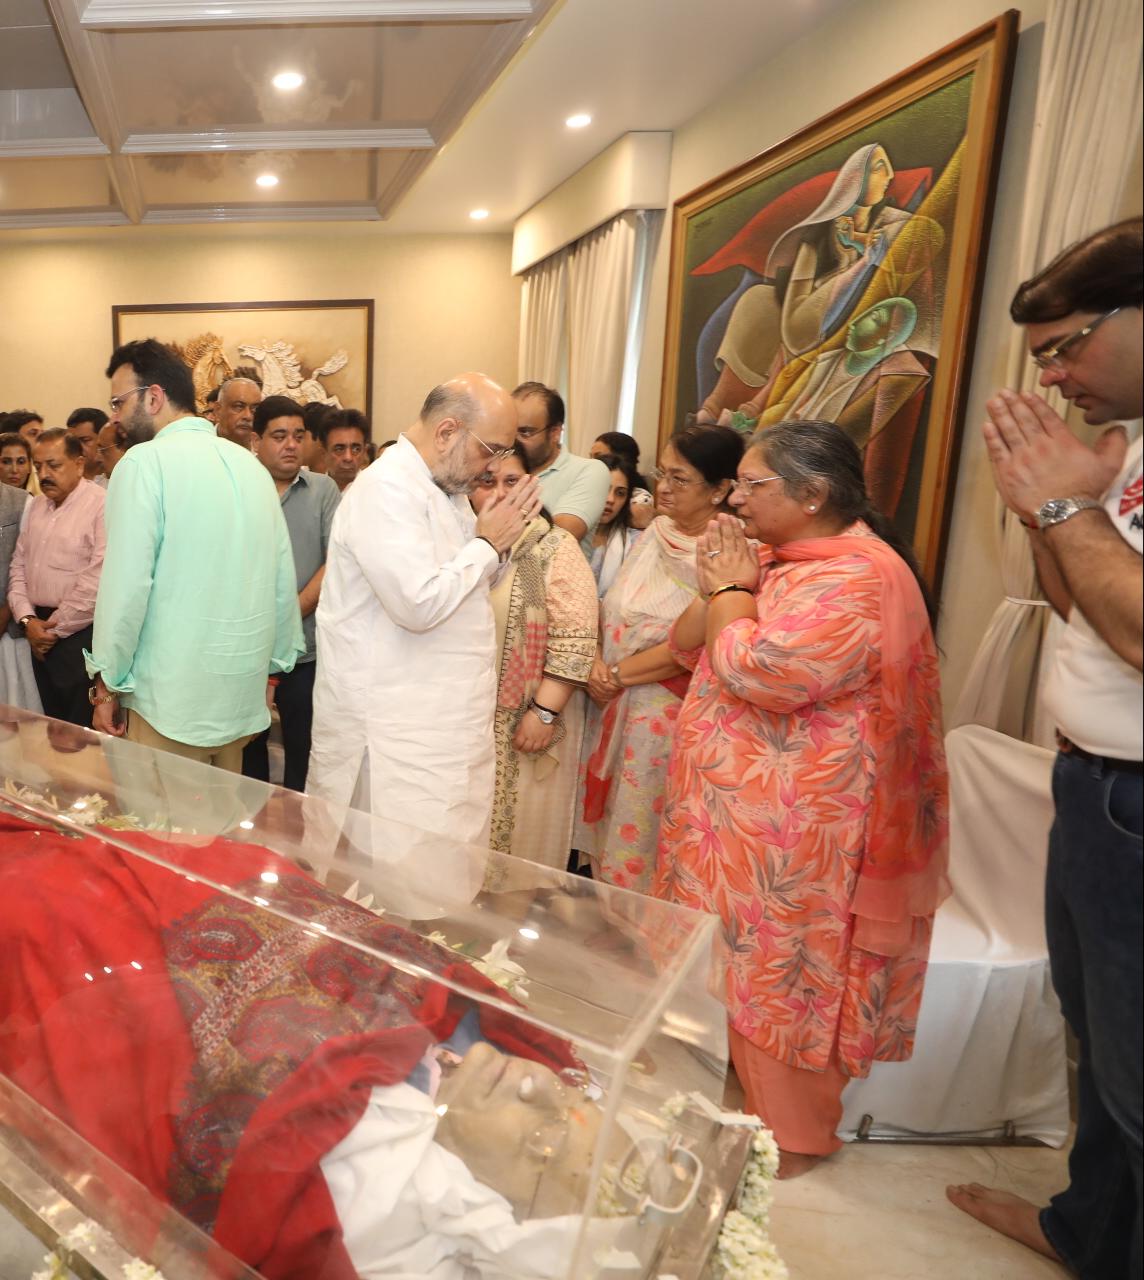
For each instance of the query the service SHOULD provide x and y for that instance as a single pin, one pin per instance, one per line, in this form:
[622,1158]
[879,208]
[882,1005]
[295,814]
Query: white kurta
[406,681]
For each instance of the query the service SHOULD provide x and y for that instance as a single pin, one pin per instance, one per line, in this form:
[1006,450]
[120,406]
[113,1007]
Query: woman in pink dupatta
[636,684]
[807,799]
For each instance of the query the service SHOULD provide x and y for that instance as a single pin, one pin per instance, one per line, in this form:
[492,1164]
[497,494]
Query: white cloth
[1093,695]
[406,679]
[990,1044]
[410,1210]
[607,560]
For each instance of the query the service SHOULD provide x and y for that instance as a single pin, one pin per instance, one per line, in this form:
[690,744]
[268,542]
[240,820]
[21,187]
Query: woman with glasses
[807,797]
[545,609]
[636,683]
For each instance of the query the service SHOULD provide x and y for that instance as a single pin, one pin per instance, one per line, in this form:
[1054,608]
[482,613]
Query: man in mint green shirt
[197,608]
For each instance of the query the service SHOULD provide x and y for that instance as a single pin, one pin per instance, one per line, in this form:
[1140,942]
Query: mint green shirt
[197,603]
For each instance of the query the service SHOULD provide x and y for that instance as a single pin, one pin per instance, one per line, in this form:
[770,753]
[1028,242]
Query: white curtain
[603,273]
[544,321]
[1087,124]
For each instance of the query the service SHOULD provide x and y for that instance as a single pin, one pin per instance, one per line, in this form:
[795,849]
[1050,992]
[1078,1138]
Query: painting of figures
[836,277]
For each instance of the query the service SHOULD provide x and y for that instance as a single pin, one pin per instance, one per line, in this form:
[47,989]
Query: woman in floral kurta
[545,606]
[806,799]
[636,684]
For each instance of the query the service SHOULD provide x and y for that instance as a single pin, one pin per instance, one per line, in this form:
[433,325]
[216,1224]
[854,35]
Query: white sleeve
[392,542]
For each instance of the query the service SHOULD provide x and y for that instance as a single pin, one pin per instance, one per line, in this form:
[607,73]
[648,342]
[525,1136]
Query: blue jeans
[1093,894]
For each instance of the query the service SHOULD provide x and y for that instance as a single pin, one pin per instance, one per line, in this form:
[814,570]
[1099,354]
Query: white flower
[506,973]
[137,1269]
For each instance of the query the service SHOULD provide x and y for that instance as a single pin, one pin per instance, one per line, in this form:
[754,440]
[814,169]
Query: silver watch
[1058,510]
[543,714]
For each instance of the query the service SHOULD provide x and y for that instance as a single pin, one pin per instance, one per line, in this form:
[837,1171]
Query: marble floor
[879,1212]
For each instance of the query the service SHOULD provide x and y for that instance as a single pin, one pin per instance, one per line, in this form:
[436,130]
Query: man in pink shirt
[55,571]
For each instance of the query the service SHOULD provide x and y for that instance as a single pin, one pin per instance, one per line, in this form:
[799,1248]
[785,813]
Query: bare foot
[793,1164]
[1013,1216]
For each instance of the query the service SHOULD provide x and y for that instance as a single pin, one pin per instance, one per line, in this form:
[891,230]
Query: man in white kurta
[406,681]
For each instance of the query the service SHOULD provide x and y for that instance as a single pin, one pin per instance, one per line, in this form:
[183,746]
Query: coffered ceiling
[167,111]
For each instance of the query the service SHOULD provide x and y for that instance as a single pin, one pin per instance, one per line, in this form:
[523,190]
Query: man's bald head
[464,423]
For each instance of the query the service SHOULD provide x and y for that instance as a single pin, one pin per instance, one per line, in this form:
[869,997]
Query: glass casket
[243,1034]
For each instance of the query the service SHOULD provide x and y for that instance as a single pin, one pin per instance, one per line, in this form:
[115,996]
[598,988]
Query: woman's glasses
[746,487]
[672,478]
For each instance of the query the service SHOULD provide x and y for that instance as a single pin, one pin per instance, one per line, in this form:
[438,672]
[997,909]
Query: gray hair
[449,401]
[811,454]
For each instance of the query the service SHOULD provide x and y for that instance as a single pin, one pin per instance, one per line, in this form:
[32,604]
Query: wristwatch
[1058,510]
[22,623]
[97,699]
[614,672]
[543,714]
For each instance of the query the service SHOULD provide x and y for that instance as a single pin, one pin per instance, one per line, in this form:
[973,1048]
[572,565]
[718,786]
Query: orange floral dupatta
[903,876]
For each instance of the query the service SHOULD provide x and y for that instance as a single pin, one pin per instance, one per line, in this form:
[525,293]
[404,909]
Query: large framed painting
[837,277]
[311,351]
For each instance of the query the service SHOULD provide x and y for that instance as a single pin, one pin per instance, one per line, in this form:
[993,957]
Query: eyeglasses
[116,402]
[1050,358]
[529,433]
[745,486]
[495,454]
[672,478]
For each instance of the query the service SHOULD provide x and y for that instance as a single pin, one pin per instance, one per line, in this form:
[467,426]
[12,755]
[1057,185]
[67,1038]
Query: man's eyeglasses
[530,433]
[745,486]
[672,478]
[1051,357]
[495,454]
[116,402]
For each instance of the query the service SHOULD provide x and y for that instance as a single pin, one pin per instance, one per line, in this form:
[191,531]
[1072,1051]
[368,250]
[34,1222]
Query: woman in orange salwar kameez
[807,793]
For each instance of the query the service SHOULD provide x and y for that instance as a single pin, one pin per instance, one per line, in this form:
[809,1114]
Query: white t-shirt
[1094,696]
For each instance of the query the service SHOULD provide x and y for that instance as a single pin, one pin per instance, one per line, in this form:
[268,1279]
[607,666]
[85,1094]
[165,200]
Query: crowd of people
[716,682]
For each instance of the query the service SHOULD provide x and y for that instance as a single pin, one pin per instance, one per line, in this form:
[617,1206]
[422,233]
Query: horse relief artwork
[836,275]
[314,352]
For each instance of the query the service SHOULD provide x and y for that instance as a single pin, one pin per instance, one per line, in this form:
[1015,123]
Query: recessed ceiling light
[580,120]
[267,179]
[288,80]
[478,215]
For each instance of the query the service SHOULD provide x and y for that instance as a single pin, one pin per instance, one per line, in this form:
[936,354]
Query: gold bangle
[729,586]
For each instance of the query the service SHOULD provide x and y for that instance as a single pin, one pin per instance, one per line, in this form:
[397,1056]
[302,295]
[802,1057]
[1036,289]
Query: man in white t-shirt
[1083,507]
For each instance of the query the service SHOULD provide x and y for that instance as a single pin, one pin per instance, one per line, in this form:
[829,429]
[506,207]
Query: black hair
[616,462]
[9,439]
[19,418]
[553,401]
[275,407]
[619,442]
[715,452]
[313,415]
[1098,274]
[54,435]
[157,365]
[96,417]
[623,444]
[808,453]
[336,419]
[211,396]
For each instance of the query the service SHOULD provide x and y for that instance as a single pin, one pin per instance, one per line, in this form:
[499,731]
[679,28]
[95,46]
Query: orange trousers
[801,1108]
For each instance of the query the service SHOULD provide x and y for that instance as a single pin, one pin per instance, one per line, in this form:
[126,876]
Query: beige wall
[865,44]
[442,304]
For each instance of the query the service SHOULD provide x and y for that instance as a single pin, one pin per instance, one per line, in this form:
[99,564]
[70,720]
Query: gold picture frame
[309,350]
[838,274]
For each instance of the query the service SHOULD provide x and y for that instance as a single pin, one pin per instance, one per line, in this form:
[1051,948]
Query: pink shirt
[58,559]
